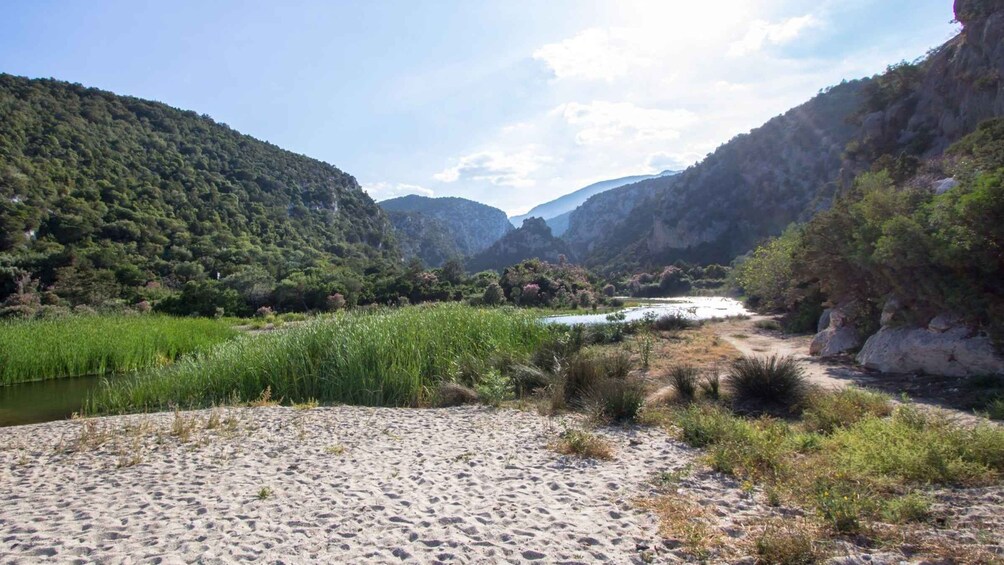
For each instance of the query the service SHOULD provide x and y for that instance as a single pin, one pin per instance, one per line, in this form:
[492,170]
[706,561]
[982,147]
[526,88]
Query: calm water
[693,307]
[44,401]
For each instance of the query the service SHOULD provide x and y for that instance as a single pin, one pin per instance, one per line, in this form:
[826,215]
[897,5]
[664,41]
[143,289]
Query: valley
[593,300]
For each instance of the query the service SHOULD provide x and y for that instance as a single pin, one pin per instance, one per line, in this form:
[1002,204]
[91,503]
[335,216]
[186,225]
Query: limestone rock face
[838,335]
[937,350]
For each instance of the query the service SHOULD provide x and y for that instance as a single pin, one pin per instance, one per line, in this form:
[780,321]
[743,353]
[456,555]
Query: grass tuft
[767,382]
[583,444]
[615,401]
[684,379]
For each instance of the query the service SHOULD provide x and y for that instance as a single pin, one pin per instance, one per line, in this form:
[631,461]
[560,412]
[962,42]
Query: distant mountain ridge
[437,229]
[560,208]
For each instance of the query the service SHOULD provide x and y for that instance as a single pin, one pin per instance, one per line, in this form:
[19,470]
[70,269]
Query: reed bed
[382,358]
[36,350]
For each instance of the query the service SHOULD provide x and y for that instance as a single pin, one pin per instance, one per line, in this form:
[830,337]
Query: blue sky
[510,103]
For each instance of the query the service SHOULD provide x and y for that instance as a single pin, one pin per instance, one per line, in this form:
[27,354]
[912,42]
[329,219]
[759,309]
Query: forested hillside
[112,198]
[532,240]
[437,229]
[794,165]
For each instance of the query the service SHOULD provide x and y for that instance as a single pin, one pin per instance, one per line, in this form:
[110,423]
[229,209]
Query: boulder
[944,185]
[953,352]
[824,320]
[837,334]
[835,341]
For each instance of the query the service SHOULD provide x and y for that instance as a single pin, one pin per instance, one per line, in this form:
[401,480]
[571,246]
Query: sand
[344,484]
[380,485]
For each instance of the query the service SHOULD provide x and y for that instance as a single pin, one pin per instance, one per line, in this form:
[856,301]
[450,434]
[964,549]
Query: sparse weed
[583,444]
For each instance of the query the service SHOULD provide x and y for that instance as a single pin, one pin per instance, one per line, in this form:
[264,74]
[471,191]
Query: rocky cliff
[757,183]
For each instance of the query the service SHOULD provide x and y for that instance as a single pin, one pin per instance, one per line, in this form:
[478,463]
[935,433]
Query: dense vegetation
[437,229]
[111,199]
[893,235]
[91,345]
[532,240]
[383,358]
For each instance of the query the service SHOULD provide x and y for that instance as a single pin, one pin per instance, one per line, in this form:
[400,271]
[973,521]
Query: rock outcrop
[837,333]
[945,347]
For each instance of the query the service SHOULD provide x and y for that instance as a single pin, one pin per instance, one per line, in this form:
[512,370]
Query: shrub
[914,447]
[493,295]
[827,411]
[453,394]
[684,379]
[336,302]
[527,378]
[767,382]
[143,307]
[494,388]
[263,312]
[840,505]
[673,322]
[615,400]
[913,507]
[768,324]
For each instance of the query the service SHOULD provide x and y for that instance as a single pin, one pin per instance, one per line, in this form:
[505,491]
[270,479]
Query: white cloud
[597,53]
[600,122]
[496,167]
[762,33]
[658,162]
[385,190]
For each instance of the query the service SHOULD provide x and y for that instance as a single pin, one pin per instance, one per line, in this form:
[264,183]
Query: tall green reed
[87,345]
[382,358]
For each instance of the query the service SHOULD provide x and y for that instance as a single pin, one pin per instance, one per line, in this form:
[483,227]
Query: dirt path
[945,393]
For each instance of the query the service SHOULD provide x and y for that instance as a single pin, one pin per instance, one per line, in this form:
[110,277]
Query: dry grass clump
[685,522]
[684,380]
[581,443]
[786,543]
[448,395]
[615,400]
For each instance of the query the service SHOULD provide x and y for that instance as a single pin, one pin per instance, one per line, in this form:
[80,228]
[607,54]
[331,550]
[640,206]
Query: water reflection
[691,307]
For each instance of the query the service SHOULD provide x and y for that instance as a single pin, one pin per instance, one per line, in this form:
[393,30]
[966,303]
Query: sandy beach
[343,484]
[370,485]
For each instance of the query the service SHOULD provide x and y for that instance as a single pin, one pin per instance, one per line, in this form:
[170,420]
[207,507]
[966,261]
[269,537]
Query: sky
[509,102]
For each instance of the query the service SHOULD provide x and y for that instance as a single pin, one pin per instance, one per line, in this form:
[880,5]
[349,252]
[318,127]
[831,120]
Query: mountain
[531,240]
[559,209]
[792,166]
[101,195]
[436,229]
[423,237]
